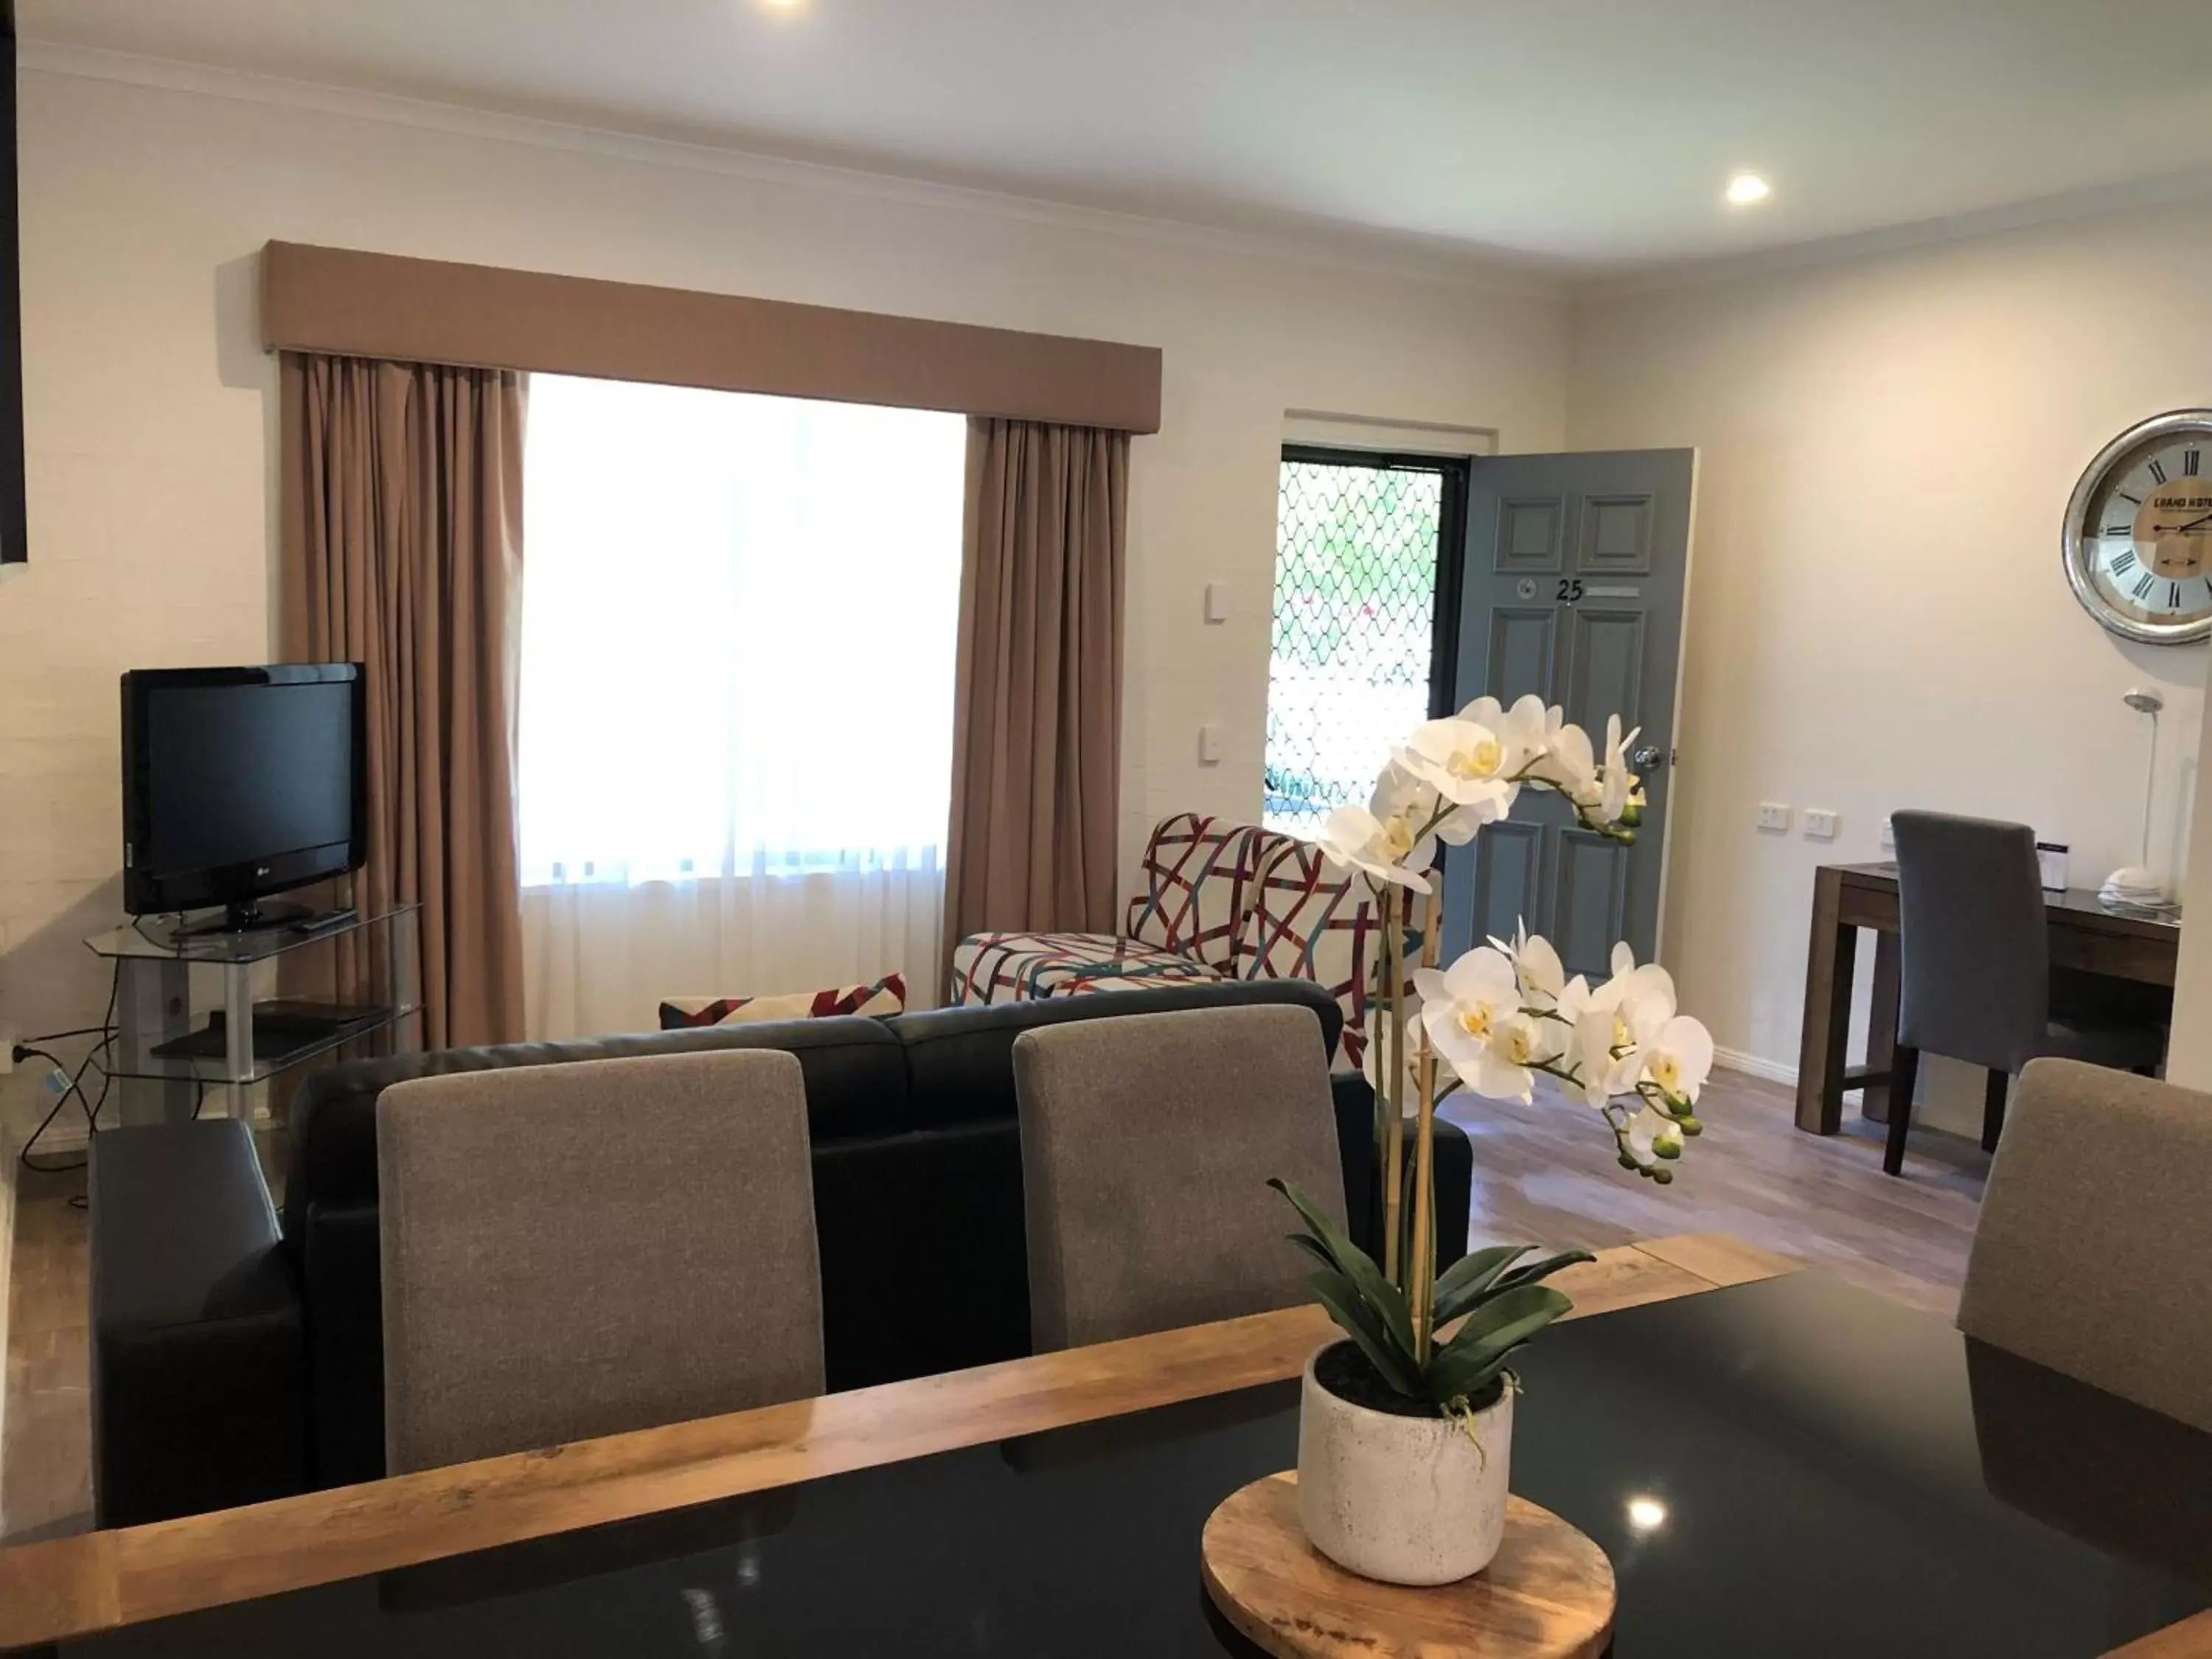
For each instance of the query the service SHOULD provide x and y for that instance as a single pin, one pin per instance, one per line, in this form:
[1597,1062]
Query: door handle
[1645,755]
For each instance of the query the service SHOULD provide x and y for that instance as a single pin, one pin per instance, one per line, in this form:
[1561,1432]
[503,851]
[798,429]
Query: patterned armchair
[1218,902]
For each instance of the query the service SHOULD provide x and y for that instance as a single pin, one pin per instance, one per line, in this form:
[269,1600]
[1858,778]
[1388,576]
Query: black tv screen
[239,782]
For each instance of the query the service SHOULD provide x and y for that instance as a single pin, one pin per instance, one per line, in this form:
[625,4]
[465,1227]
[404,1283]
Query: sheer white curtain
[740,620]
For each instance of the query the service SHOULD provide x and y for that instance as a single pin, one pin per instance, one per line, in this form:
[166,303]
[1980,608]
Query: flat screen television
[239,783]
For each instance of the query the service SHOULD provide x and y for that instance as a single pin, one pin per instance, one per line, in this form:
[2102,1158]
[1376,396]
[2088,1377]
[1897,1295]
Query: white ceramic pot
[1409,1500]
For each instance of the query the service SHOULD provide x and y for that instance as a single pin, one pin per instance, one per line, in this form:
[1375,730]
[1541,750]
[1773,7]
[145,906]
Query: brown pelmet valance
[380,305]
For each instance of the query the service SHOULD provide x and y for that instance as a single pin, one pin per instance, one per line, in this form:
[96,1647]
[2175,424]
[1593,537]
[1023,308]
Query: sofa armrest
[1363,1189]
[197,1362]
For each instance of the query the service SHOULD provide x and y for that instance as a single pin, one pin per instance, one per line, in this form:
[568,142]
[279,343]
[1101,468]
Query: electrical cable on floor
[95,1059]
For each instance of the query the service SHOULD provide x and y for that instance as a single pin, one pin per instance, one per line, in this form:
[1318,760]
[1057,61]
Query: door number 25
[1570,590]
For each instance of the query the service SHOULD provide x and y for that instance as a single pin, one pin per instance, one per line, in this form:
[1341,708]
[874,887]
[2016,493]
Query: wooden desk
[76,1587]
[1846,897]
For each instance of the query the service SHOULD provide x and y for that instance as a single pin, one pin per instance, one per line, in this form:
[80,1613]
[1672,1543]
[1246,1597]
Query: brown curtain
[402,549]
[1036,743]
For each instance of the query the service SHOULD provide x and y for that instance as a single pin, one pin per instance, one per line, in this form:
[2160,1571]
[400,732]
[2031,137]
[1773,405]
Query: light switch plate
[1773,817]
[1209,745]
[1217,602]
[1819,823]
[1888,836]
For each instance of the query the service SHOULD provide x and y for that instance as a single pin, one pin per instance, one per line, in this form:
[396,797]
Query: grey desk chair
[1975,954]
[2093,1254]
[1147,1143]
[581,1249]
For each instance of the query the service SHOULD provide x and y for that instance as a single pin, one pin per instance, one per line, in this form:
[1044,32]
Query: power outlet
[1819,823]
[1773,817]
[1209,745]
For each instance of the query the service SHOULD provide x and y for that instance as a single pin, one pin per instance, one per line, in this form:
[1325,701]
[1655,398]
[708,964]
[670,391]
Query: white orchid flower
[1569,766]
[1521,730]
[1467,764]
[1618,783]
[1463,1005]
[1543,976]
[1517,1044]
[1678,1058]
[1652,1135]
[1385,849]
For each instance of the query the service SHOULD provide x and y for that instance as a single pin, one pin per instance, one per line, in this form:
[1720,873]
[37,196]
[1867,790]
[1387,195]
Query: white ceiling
[1591,135]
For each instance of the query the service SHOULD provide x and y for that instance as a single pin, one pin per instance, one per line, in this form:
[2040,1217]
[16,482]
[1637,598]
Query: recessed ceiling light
[1748,190]
[783,5]
[1646,1514]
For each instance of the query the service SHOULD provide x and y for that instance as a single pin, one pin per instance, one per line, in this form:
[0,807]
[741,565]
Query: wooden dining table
[1051,1504]
[2086,935]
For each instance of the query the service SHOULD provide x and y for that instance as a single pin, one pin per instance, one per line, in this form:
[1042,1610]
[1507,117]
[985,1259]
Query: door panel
[1508,878]
[1522,654]
[1608,673]
[1529,538]
[1572,588]
[1589,898]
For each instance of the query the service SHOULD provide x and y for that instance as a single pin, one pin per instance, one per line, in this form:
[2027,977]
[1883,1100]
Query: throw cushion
[886,996]
[991,968]
[1195,872]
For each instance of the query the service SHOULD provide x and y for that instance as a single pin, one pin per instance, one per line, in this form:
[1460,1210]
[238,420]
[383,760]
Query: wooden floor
[45,1438]
[1547,1173]
[1543,1173]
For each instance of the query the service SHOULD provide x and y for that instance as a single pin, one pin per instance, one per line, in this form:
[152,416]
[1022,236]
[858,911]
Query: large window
[739,628]
[1360,541]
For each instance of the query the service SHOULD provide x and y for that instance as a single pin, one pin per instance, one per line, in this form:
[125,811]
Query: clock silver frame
[2075,544]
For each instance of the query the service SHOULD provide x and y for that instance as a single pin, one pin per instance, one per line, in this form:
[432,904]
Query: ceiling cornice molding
[1351,250]
[2101,202]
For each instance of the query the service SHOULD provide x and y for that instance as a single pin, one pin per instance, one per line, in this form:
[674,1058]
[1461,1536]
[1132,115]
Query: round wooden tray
[1549,1592]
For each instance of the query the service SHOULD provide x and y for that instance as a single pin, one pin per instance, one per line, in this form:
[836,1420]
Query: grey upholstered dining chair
[1147,1143]
[580,1250]
[1975,954]
[2093,1254]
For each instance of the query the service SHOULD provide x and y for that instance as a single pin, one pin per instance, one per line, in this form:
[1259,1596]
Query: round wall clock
[2139,531]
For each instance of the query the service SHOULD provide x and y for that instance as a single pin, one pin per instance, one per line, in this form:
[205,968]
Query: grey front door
[1572,588]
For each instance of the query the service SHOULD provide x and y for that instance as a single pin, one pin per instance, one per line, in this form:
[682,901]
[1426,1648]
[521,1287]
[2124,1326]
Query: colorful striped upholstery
[1307,920]
[989,967]
[1220,900]
[1195,872]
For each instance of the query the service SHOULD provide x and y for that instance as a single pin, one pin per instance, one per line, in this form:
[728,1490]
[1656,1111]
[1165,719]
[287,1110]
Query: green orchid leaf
[1534,1271]
[1461,1285]
[1356,1265]
[1358,1321]
[1313,1248]
[1491,1333]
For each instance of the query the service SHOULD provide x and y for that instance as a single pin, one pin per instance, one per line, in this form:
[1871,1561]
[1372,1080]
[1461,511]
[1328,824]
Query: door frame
[1451,542]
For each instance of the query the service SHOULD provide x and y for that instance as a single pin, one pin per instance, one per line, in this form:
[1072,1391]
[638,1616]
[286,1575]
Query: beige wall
[1878,616]
[148,406]
[2189,1056]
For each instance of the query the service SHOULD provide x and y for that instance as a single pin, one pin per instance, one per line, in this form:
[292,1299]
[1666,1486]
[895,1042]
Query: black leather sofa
[237,1352]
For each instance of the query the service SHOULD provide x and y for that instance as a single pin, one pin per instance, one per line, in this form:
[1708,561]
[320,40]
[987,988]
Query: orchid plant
[1493,1022]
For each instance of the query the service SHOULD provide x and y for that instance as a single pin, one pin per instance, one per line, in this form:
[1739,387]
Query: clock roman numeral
[2142,584]
[2157,473]
[2174,596]
[2190,459]
[2125,563]
[2119,530]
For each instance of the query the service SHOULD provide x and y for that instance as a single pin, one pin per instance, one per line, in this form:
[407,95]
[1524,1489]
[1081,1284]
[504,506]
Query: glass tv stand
[198,1011]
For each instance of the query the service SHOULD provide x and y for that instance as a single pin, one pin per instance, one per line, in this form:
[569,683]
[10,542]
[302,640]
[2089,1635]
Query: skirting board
[1773,1071]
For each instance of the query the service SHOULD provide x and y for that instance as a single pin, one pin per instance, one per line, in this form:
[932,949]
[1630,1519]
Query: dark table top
[2075,900]
[1838,1474]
